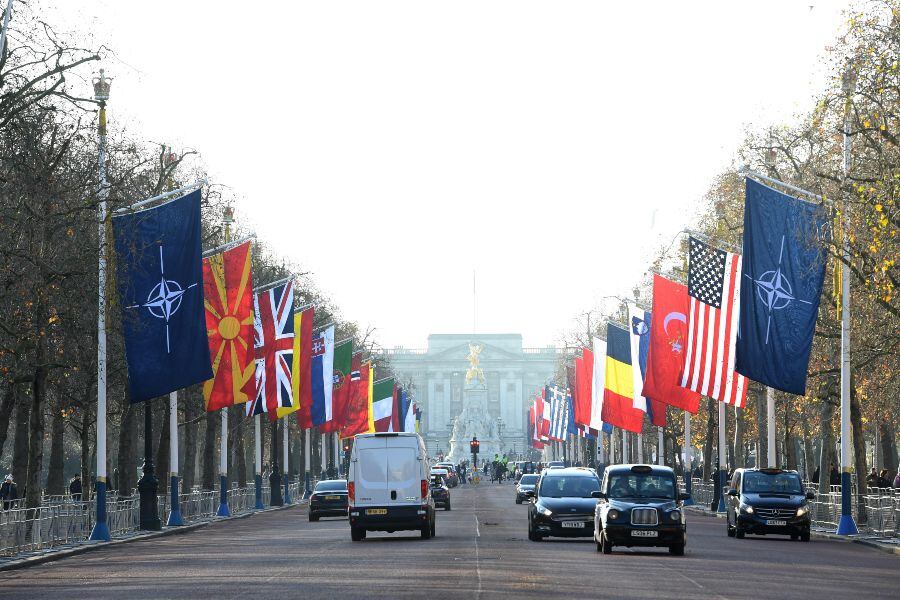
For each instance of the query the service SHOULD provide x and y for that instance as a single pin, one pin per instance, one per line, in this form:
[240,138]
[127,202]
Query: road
[481,551]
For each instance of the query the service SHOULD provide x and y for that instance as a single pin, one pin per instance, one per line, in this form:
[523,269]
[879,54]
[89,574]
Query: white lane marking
[477,557]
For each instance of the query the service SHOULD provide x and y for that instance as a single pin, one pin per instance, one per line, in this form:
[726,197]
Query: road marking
[477,553]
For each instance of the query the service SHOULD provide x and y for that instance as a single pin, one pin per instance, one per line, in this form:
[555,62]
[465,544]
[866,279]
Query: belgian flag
[618,395]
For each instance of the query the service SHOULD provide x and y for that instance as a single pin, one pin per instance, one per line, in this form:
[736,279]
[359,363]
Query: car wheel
[313,518]
[804,537]
[606,545]
[795,537]
[532,536]
[677,550]
[357,534]
[518,500]
[433,526]
[738,532]
[426,531]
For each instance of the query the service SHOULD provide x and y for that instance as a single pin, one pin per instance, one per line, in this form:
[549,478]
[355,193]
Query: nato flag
[781,282]
[160,281]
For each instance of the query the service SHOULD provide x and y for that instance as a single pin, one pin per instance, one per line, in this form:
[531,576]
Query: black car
[440,491]
[563,504]
[640,506]
[526,484]
[764,501]
[329,499]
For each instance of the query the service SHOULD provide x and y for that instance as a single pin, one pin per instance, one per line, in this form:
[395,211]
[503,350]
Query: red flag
[358,405]
[304,387]
[228,297]
[584,375]
[668,342]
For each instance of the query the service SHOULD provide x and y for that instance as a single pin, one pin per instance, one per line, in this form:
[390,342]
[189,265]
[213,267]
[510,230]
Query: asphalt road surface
[481,551]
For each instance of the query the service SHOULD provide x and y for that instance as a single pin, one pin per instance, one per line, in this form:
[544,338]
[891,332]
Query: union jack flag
[274,343]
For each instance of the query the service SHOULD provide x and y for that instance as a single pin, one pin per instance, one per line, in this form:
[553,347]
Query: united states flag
[714,287]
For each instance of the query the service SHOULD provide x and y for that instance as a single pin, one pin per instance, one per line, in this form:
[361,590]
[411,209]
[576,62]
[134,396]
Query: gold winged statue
[474,372]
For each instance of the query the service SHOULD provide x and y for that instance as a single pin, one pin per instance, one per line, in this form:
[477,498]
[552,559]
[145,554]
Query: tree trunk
[126,470]
[56,478]
[737,452]
[20,440]
[859,451]
[7,403]
[36,435]
[808,452]
[86,464]
[762,454]
[788,454]
[888,446]
[710,438]
[163,468]
[189,468]
[208,466]
[240,449]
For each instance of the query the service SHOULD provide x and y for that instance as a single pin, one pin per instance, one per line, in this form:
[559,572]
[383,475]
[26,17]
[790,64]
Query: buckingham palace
[437,375]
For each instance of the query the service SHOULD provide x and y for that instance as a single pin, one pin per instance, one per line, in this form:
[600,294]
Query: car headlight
[747,509]
[802,511]
[545,511]
[675,515]
[613,514]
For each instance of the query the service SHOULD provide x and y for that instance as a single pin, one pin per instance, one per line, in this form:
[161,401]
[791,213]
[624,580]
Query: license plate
[641,533]
[776,523]
[376,511]
[574,524]
[332,497]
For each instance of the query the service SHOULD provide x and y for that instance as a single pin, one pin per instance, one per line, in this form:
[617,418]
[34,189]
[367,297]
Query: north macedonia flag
[228,295]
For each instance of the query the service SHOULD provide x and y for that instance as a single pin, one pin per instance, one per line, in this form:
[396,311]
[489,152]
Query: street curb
[888,549]
[88,546]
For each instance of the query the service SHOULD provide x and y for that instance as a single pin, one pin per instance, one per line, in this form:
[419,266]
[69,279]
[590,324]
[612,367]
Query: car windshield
[528,479]
[641,485]
[331,486]
[759,482]
[437,480]
[569,486]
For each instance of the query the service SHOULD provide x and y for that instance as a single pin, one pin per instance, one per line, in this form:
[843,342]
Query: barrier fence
[65,521]
[881,513]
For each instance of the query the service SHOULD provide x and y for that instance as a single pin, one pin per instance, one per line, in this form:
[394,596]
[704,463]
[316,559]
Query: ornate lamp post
[275,476]
[101,94]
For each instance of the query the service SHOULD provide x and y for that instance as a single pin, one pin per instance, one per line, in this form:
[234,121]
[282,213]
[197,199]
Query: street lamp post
[224,510]
[275,476]
[149,484]
[100,532]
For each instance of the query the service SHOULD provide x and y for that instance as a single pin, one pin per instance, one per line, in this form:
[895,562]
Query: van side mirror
[732,492]
[529,493]
[810,495]
[682,497]
[598,494]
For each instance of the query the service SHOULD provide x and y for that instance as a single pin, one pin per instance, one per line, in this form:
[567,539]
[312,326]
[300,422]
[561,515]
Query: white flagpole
[100,531]
[624,446]
[770,428]
[258,456]
[688,458]
[723,466]
[639,440]
[846,526]
[174,498]
[307,460]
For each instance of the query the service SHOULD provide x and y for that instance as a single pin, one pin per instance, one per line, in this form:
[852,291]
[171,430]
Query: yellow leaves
[882,222]
[879,207]
[867,123]
[873,248]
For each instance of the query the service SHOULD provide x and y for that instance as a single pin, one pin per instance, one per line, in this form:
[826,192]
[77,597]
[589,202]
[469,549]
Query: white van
[388,485]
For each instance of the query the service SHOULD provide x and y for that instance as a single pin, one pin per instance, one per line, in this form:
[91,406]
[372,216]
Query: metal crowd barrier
[62,520]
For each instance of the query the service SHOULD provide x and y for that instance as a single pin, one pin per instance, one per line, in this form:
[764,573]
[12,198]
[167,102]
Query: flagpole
[100,532]
[688,462]
[720,476]
[625,446]
[224,511]
[307,462]
[174,497]
[846,526]
[257,443]
[287,476]
[772,458]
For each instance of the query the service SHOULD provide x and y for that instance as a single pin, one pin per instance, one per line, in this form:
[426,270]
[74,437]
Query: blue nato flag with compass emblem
[160,283]
[781,283]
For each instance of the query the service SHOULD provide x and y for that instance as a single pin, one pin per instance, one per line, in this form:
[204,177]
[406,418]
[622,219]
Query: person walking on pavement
[9,492]
[75,488]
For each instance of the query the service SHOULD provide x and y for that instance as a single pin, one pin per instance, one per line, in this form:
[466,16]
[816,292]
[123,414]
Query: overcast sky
[391,148]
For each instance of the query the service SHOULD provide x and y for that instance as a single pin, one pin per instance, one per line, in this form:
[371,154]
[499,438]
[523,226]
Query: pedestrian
[883,481]
[834,476]
[75,488]
[897,480]
[872,478]
[9,492]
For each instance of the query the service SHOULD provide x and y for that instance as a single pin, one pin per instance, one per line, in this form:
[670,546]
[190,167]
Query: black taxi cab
[639,505]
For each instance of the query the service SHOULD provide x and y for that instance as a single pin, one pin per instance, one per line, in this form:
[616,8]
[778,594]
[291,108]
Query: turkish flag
[668,344]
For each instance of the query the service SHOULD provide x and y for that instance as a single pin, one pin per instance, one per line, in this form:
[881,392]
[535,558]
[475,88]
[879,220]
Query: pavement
[481,551]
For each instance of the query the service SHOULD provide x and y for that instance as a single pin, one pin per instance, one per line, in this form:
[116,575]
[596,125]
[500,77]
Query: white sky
[391,147]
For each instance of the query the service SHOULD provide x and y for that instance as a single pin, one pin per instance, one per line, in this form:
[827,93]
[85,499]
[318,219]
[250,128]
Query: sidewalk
[27,559]
[891,545]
